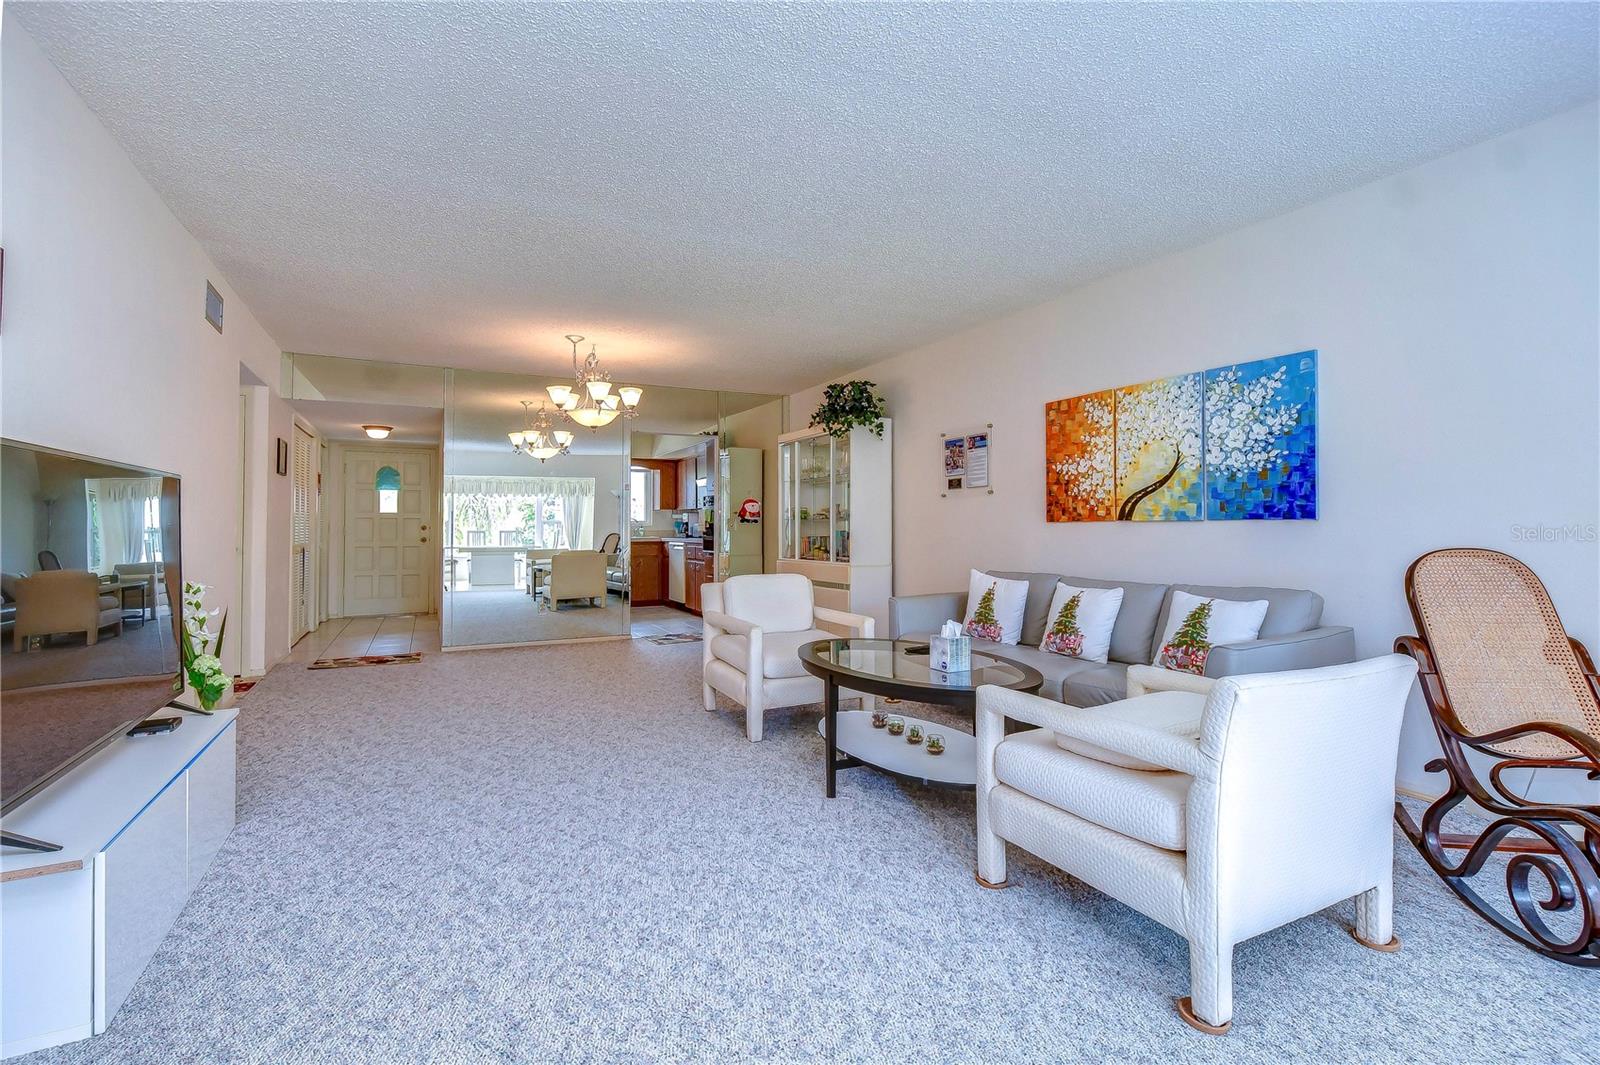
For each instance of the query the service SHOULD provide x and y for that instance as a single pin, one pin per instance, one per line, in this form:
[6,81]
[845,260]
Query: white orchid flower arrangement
[201,647]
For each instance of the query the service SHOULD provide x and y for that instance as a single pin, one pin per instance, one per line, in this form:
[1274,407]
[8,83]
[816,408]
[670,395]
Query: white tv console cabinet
[139,823]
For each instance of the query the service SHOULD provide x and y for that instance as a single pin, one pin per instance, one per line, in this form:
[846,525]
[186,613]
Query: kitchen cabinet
[648,580]
[696,573]
[686,493]
[668,474]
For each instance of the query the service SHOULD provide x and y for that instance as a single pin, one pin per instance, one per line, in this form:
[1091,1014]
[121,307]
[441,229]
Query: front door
[388,534]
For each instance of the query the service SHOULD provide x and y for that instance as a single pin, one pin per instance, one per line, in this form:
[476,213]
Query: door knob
[424,539]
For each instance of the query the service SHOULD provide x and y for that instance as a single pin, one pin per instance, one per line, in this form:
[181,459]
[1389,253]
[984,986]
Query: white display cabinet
[836,517]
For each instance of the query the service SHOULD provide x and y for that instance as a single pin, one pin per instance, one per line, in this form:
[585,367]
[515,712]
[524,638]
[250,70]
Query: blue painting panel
[1261,439]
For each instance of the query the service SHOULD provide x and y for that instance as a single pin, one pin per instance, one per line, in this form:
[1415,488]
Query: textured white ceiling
[761,196]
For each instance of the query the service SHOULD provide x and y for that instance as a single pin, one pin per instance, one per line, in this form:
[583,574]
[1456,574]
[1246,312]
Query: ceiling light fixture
[589,400]
[540,440]
[378,432]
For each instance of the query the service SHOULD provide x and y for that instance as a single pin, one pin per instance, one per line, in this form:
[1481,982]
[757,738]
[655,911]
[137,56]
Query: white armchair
[1221,809]
[754,626]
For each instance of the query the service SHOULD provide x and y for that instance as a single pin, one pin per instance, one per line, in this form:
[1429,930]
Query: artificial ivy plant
[848,404]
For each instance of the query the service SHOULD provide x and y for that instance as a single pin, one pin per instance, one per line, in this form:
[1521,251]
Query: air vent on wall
[213,306]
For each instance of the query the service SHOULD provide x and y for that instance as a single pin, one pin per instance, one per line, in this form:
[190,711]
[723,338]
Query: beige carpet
[483,616]
[141,651]
[555,855]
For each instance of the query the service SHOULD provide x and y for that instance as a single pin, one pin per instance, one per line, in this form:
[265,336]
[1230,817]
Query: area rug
[242,686]
[675,637]
[366,660]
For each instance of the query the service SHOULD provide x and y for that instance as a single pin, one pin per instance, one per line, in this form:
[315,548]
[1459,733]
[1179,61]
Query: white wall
[1454,309]
[105,349]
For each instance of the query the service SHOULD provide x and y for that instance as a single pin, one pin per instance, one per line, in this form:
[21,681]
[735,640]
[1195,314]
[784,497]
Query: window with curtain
[124,520]
[641,491]
[544,513]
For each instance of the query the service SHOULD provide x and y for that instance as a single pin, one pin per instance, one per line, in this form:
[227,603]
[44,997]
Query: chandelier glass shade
[541,439]
[589,400]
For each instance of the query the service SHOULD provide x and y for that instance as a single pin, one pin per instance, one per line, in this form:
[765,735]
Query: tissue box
[950,654]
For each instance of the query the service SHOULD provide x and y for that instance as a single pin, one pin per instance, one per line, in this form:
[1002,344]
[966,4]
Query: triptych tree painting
[1235,442]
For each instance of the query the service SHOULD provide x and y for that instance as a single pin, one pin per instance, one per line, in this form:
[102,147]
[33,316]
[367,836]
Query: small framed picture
[283,457]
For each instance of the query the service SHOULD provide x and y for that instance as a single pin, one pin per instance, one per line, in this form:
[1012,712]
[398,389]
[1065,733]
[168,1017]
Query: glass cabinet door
[841,499]
[814,503]
[786,501]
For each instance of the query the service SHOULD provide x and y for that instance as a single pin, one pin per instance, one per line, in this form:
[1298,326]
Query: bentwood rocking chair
[1502,677]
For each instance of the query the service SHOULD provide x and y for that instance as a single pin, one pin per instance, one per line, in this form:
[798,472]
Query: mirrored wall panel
[533,516]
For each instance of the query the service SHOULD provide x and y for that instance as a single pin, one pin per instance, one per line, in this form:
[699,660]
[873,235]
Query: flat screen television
[91,576]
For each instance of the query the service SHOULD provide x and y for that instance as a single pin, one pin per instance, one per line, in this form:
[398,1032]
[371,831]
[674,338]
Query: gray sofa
[1292,634]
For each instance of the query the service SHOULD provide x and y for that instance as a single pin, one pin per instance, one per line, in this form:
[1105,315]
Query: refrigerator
[739,501]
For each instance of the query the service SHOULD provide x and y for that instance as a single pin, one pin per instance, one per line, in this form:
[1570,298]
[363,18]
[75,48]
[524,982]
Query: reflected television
[91,576]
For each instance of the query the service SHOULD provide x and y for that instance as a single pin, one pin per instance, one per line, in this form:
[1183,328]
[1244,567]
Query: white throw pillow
[1086,631]
[1003,609]
[1195,625]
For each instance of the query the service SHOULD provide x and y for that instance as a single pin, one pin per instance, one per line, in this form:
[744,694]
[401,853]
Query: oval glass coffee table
[899,669]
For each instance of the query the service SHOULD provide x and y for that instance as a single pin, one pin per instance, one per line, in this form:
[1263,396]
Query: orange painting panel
[1080,458]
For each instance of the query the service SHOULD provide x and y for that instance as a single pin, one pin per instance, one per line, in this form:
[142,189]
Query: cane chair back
[1502,656]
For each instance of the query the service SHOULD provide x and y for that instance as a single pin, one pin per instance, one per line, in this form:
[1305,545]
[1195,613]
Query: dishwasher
[675,590]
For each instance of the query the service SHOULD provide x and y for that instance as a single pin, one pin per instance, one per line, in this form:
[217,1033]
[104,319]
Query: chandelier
[540,440]
[590,401]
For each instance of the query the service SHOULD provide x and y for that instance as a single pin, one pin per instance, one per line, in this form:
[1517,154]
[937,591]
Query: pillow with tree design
[1080,621]
[995,607]
[1196,625]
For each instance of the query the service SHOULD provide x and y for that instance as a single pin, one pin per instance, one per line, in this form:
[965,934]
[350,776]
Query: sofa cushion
[1099,684]
[1151,807]
[1176,712]
[1289,610]
[1136,620]
[780,651]
[1056,669]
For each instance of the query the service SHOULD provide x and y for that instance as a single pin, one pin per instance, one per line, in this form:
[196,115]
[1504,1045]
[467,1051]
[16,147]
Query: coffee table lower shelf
[863,745]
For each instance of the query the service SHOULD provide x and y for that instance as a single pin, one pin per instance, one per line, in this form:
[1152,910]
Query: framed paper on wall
[966,460]
[283,457]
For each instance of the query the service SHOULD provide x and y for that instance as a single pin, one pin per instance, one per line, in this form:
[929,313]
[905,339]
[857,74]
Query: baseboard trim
[535,643]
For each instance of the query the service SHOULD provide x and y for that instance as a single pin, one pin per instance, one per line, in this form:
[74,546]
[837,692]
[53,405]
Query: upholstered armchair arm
[860,624]
[1152,745]
[729,623]
[1142,680]
[1330,645]
[924,613]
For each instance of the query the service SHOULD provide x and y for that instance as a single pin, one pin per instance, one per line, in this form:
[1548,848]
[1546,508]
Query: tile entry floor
[661,620]
[352,637]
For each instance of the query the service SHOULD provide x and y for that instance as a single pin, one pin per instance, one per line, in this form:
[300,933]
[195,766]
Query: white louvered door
[302,506]
[387,542]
